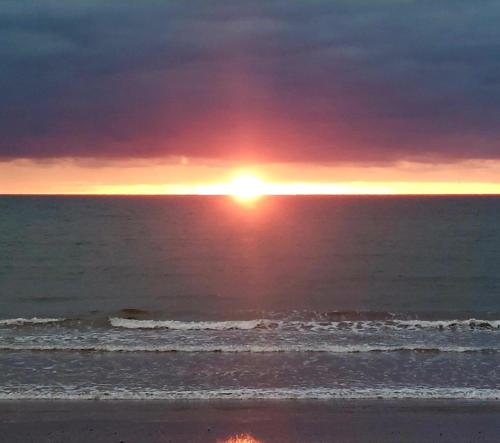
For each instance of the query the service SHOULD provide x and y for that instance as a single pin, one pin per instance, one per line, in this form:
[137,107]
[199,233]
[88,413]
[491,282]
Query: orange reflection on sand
[240,438]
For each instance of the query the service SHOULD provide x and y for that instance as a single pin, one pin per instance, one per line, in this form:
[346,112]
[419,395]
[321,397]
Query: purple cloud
[330,81]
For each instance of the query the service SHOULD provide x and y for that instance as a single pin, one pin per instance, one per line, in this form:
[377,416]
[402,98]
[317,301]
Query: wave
[269,324]
[192,325]
[29,321]
[258,349]
[390,393]
[361,325]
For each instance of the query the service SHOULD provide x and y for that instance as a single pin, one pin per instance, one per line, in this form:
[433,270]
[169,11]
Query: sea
[286,297]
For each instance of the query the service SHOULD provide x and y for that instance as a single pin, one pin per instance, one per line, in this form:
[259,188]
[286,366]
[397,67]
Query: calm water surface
[292,297]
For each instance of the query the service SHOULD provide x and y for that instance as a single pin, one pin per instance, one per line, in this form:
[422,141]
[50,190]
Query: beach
[265,421]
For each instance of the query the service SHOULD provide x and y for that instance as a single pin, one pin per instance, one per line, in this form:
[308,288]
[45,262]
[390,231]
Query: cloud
[326,81]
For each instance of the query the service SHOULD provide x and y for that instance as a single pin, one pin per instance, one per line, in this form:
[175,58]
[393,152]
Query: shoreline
[268,421]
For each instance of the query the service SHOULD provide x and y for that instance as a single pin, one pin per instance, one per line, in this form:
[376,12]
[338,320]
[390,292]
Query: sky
[320,96]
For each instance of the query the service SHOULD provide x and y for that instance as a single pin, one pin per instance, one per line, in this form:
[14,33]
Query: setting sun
[246,187]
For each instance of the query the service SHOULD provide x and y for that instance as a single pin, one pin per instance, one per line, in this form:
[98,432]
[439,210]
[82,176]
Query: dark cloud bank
[338,80]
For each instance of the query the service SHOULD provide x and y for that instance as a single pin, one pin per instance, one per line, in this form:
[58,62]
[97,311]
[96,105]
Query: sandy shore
[266,421]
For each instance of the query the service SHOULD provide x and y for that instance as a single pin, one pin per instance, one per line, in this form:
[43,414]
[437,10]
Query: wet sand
[265,421]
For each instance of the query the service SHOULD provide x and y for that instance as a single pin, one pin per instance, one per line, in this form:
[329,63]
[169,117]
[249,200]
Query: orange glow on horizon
[247,183]
[247,187]
[276,189]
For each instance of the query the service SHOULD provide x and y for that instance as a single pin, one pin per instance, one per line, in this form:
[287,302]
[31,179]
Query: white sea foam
[27,321]
[192,325]
[361,325]
[259,349]
[30,392]
[266,324]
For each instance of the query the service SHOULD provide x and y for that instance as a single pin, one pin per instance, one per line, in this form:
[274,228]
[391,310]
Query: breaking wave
[361,325]
[29,321]
[191,325]
[260,349]
[28,392]
[271,324]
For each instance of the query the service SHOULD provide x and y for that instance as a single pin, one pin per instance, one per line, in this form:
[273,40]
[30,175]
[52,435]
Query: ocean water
[290,297]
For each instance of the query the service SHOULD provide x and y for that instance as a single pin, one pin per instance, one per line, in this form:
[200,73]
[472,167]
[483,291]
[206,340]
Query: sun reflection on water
[240,438]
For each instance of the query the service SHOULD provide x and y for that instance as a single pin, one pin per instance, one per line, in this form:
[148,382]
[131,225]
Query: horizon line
[262,196]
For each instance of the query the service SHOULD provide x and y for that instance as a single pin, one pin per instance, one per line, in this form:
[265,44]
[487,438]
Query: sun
[246,188]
